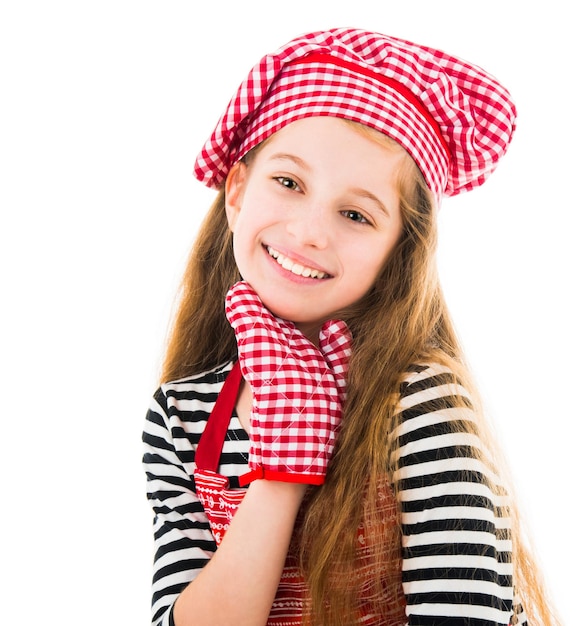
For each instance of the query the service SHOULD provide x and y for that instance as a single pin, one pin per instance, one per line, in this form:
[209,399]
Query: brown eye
[355,216]
[288,183]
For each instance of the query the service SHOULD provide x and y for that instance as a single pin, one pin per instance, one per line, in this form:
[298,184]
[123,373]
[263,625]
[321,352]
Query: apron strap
[209,448]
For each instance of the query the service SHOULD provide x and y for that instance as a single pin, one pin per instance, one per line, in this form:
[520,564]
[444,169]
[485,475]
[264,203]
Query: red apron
[221,502]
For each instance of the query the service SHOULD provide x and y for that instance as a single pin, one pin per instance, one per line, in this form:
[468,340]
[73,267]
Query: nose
[309,226]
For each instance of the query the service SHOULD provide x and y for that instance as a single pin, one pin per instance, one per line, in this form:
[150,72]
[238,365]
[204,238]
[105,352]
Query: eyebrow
[284,156]
[363,193]
[357,191]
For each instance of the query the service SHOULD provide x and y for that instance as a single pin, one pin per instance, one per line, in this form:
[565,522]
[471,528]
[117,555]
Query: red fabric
[212,439]
[453,118]
[298,390]
[396,85]
[219,501]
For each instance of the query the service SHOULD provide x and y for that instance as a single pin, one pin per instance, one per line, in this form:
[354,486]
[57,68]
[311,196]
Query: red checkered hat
[454,119]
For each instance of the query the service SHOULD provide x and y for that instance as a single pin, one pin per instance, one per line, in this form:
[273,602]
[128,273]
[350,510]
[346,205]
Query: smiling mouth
[294,267]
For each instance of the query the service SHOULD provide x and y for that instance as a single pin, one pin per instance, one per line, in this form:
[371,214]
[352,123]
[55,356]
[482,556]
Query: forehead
[329,144]
[321,135]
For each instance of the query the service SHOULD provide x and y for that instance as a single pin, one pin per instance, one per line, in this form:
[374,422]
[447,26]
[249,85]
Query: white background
[103,107]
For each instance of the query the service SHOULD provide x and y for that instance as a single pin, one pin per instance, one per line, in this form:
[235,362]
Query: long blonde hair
[402,320]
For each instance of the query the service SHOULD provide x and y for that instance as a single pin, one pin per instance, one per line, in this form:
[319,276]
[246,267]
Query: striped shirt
[456,553]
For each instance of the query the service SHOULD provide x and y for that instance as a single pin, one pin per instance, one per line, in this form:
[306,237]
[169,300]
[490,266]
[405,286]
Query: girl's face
[314,218]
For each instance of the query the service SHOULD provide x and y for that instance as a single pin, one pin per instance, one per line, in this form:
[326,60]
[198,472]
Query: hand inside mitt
[298,390]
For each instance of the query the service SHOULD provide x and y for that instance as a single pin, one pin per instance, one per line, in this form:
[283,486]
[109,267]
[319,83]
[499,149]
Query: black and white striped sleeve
[455,523]
[183,541]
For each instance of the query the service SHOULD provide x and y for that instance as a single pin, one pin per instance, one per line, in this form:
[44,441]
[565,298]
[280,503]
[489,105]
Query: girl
[316,453]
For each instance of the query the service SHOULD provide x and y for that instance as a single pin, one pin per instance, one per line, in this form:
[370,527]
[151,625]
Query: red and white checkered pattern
[454,119]
[298,390]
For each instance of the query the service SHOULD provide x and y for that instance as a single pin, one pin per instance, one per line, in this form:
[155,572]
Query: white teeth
[295,268]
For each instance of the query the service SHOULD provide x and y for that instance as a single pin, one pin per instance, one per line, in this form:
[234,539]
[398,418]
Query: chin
[292,314]
[285,313]
[294,310]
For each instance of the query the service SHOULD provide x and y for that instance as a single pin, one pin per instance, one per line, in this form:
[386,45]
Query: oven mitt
[298,390]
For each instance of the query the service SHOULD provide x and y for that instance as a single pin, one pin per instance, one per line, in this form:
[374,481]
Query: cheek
[239,250]
[368,266]
[245,247]
[371,258]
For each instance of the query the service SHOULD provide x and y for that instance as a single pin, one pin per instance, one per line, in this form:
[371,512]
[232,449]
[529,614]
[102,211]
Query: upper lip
[298,259]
